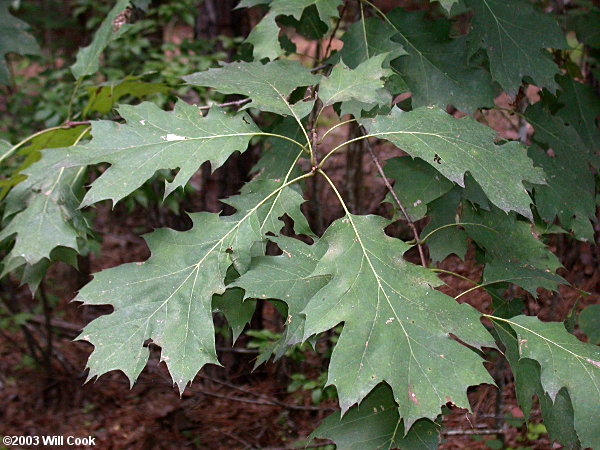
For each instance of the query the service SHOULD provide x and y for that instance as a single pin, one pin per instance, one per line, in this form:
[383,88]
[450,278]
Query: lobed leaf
[397,328]
[268,85]
[436,68]
[15,39]
[456,146]
[376,424]
[153,139]
[515,48]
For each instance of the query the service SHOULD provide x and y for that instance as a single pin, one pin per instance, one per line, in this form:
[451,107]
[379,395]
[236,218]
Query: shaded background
[42,390]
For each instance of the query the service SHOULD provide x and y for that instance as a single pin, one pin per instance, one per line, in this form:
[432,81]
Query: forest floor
[233,407]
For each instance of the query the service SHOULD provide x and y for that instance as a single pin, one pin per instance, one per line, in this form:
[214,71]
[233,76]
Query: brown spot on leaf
[412,396]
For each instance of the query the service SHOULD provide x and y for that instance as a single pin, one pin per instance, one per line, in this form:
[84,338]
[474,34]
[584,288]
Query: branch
[411,224]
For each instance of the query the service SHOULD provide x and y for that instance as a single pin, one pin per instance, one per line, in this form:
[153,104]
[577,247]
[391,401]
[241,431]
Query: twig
[411,224]
[474,431]
[266,398]
[246,444]
[333,33]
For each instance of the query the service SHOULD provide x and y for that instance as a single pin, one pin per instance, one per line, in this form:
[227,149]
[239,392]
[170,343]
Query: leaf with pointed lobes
[557,412]
[565,362]
[153,139]
[287,277]
[375,424]
[14,39]
[168,298]
[361,84]
[113,26]
[516,49]
[268,85]
[368,38]
[264,36]
[397,327]
[570,192]
[456,146]
[42,211]
[436,68]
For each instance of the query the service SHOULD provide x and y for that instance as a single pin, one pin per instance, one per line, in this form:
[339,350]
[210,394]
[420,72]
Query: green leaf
[42,211]
[557,413]
[88,58]
[277,157]
[416,184]
[268,85]
[585,25]
[396,326]
[570,192]
[154,139]
[448,4]
[567,363]
[265,34]
[287,277]
[580,108]
[376,424]
[513,253]
[448,240]
[515,47]
[104,96]
[168,298]
[522,274]
[436,68]
[361,83]
[58,137]
[589,322]
[368,38]
[15,39]
[232,305]
[456,146]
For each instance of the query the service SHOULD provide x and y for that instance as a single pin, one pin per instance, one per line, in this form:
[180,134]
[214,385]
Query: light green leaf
[287,277]
[368,38]
[436,68]
[375,424]
[567,363]
[15,39]
[59,137]
[268,85]
[416,184]
[516,49]
[456,146]
[448,4]
[361,83]
[154,139]
[265,34]
[168,298]
[88,58]
[589,322]
[396,326]
[104,96]
[42,211]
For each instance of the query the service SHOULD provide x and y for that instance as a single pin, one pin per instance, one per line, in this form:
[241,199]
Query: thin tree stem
[389,187]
